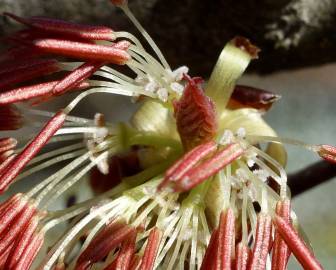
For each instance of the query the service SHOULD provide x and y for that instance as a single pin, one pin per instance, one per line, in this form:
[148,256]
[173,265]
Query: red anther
[17,225]
[66,28]
[41,90]
[111,237]
[261,243]
[185,163]
[301,252]
[195,115]
[76,77]
[151,250]
[281,252]
[10,118]
[246,96]
[242,257]
[327,152]
[21,243]
[82,50]
[31,150]
[29,72]
[30,253]
[125,255]
[208,260]
[226,233]
[122,45]
[208,168]
[5,163]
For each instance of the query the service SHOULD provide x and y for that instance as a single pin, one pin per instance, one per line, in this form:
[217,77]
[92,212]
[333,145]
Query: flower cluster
[184,185]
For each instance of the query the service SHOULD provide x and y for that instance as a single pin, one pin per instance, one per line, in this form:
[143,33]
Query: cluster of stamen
[199,197]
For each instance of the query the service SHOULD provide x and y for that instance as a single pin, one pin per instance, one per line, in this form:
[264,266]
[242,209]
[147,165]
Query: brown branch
[311,176]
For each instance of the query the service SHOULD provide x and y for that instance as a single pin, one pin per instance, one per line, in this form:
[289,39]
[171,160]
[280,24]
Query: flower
[183,185]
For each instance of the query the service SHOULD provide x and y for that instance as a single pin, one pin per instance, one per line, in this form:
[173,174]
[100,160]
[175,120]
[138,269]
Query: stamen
[226,232]
[281,252]
[76,77]
[82,50]
[43,90]
[261,242]
[190,159]
[66,28]
[302,253]
[151,251]
[31,150]
[208,168]
[123,5]
[242,257]
[114,234]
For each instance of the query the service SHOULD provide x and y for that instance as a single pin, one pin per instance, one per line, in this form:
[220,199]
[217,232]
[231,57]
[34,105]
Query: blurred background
[298,46]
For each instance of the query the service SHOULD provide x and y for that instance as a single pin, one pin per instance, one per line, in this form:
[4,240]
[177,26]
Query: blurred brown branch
[311,176]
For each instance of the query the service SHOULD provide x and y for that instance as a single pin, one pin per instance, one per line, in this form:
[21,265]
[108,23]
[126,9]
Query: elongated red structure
[14,168]
[241,257]
[185,163]
[66,28]
[76,77]
[209,167]
[41,90]
[109,238]
[296,245]
[151,250]
[281,251]
[261,243]
[83,50]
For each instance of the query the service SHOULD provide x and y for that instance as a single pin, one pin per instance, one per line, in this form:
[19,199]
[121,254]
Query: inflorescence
[185,184]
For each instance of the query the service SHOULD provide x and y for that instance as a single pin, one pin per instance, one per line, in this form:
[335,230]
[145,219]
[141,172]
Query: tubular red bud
[82,50]
[66,28]
[208,168]
[151,250]
[195,115]
[35,69]
[31,150]
[10,118]
[327,152]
